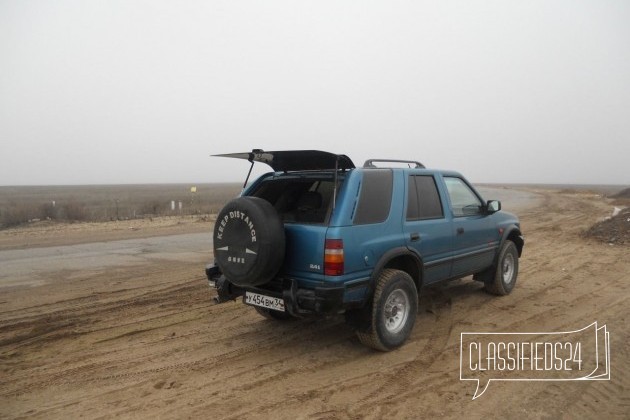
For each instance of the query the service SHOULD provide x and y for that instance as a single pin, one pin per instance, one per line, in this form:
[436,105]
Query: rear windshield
[299,199]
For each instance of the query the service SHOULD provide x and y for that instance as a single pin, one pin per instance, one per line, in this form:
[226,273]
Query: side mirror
[493,206]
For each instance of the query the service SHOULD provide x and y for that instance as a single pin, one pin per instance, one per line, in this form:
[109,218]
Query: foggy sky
[106,92]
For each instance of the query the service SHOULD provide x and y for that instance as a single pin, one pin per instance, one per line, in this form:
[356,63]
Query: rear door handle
[460,230]
[415,236]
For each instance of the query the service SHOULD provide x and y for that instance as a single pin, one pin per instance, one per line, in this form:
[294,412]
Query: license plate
[277,304]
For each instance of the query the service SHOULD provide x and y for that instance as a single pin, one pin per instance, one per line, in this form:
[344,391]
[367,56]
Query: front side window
[463,200]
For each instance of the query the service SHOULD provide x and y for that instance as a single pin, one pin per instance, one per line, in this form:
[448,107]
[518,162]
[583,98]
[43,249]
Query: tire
[249,241]
[393,312]
[506,272]
[273,315]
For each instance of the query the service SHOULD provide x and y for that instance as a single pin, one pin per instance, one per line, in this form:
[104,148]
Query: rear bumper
[318,301]
[299,302]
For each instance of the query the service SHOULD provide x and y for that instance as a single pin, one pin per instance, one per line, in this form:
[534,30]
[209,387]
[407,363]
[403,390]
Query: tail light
[333,257]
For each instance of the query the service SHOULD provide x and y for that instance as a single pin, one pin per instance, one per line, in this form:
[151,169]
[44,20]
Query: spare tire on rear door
[249,243]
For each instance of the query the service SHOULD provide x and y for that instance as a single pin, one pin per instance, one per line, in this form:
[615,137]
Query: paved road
[29,266]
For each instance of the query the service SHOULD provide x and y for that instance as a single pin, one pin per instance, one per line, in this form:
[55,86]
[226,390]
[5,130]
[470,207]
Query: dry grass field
[19,204]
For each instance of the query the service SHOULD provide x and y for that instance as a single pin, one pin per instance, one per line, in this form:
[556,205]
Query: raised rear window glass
[375,198]
[424,199]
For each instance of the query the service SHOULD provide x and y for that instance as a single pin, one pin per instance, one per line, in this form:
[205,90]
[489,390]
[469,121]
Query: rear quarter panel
[365,244]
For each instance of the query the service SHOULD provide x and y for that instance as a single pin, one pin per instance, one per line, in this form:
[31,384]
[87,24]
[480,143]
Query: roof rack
[370,162]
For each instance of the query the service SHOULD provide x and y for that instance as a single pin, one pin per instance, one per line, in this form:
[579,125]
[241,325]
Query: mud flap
[226,291]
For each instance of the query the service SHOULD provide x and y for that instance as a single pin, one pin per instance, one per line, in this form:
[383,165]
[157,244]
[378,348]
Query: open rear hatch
[296,160]
[305,230]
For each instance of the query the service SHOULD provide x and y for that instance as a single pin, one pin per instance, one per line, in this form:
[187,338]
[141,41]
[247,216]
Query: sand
[145,340]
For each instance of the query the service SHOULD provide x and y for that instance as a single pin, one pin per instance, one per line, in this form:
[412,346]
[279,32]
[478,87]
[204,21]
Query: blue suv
[319,236]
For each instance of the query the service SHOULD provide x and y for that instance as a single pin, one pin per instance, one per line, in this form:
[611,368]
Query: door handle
[415,236]
[460,230]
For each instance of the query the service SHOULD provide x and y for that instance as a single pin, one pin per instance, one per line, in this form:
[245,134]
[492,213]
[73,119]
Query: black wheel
[506,272]
[275,315]
[394,310]
[249,242]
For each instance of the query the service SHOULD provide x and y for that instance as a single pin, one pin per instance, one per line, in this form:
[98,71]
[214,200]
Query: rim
[396,311]
[508,268]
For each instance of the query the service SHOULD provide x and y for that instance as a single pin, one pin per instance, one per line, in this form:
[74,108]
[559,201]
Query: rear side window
[375,199]
[424,199]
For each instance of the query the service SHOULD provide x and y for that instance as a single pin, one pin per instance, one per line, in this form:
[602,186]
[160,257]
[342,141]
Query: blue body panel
[447,247]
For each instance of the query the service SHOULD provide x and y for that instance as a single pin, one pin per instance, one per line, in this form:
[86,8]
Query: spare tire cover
[249,242]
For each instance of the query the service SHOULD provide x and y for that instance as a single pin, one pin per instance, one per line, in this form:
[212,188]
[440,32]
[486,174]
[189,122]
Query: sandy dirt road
[144,340]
